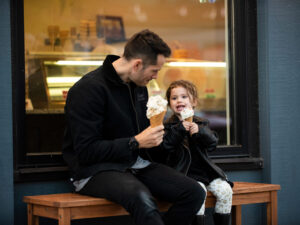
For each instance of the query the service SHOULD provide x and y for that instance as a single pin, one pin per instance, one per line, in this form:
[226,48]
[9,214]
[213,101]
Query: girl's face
[180,99]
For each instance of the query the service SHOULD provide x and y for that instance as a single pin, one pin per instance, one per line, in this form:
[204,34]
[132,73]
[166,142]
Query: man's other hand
[150,137]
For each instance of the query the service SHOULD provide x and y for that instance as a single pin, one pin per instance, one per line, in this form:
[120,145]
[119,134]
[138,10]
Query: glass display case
[51,75]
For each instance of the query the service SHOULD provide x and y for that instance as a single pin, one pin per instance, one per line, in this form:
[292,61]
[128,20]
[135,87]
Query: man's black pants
[134,190]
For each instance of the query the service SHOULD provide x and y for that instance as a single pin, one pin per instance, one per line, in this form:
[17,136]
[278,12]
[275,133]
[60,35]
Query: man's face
[142,75]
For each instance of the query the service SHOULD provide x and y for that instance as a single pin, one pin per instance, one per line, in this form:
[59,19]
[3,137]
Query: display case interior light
[196,64]
[169,64]
[60,80]
[74,63]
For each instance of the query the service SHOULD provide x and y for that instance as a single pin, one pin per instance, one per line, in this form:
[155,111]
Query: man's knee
[142,200]
[142,206]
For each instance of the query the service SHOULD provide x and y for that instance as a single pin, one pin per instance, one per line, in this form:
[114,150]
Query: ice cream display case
[51,75]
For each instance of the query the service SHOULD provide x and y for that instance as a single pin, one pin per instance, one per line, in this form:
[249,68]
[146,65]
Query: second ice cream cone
[157,120]
[187,114]
[189,119]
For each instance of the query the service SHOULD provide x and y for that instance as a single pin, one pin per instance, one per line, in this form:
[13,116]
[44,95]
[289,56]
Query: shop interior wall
[279,79]
[136,16]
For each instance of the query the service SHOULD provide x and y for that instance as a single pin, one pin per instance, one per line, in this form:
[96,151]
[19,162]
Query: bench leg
[272,209]
[64,216]
[32,219]
[236,215]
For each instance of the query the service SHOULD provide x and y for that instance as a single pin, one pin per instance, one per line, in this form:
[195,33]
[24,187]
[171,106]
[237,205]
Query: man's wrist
[133,144]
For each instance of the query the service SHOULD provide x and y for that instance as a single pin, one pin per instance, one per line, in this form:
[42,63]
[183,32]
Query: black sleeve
[174,135]
[85,115]
[206,138]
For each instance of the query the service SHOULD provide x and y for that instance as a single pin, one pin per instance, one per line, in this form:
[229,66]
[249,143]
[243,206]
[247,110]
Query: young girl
[187,144]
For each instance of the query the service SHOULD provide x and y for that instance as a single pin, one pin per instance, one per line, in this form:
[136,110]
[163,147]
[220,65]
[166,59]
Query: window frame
[243,60]
[242,38]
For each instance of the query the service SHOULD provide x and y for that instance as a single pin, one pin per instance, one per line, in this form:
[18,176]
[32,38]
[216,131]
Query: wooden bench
[71,206]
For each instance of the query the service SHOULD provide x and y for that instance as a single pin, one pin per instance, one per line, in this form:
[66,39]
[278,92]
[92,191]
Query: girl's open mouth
[180,107]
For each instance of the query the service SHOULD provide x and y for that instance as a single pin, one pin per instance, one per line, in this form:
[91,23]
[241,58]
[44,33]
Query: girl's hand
[193,128]
[186,125]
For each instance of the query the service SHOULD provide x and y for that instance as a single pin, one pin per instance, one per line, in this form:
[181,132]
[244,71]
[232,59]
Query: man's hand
[150,137]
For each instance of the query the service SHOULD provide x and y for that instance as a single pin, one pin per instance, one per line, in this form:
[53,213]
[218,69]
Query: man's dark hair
[146,45]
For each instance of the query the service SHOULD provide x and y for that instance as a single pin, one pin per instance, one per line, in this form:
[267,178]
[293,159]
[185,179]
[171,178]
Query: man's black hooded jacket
[102,113]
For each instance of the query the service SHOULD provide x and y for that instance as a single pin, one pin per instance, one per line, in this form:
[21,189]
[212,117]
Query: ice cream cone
[189,119]
[157,120]
[187,114]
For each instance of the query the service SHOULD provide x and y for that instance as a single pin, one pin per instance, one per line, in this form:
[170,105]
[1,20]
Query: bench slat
[70,206]
[65,200]
[74,200]
[246,187]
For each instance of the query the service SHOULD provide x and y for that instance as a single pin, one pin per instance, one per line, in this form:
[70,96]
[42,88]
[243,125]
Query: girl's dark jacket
[102,113]
[178,145]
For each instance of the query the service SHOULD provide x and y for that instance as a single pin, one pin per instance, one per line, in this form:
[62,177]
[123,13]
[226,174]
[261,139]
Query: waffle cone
[157,120]
[189,119]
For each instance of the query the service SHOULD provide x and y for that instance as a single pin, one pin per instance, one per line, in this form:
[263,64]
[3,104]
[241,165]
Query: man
[108,141]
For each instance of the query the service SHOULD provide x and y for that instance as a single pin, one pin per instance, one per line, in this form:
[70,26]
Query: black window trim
[243,71]
[244,74]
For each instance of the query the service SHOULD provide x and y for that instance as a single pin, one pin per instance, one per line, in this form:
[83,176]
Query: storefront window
[64,39]
[213,42]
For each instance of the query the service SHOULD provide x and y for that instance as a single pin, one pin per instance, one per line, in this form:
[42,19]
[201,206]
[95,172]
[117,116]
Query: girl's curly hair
[189,86]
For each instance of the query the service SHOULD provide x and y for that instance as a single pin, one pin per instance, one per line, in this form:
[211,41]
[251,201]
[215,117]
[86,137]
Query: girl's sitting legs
[223,193]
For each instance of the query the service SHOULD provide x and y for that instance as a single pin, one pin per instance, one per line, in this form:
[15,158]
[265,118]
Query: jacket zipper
[136,117]
[190,161]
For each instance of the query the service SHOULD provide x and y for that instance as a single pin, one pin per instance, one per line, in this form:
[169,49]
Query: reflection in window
[65,39]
